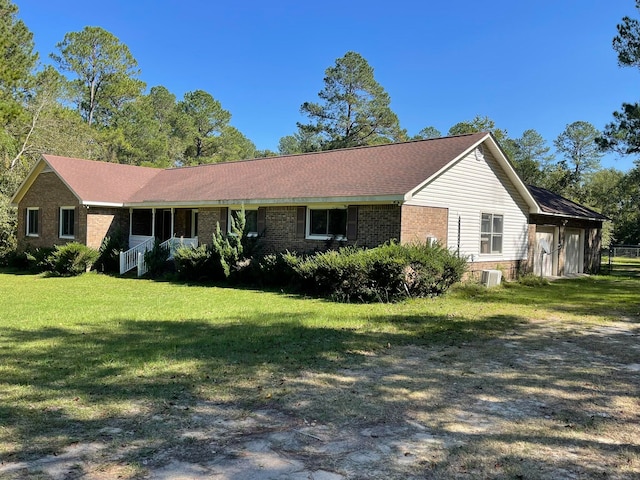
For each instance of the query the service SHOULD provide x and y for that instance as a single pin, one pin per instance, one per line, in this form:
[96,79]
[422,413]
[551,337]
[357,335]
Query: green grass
[621,266]
[78,354]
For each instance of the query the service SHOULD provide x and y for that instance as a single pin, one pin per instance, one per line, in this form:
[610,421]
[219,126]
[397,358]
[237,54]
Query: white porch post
[173,231]
[130,222]
[153,222]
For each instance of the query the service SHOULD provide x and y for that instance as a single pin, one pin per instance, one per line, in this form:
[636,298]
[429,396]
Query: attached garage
[565,238]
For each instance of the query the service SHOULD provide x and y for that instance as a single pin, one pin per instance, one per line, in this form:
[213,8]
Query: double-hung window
[491,233]
[327,223]
[67,222]
[250,221]
[33,222]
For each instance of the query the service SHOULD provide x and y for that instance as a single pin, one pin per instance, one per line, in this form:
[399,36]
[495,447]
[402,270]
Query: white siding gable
[474,185]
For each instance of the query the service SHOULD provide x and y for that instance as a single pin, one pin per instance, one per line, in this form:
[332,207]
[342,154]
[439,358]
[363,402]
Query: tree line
[91,103]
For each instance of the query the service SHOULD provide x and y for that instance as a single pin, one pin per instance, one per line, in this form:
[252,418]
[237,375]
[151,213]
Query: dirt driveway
[544,400]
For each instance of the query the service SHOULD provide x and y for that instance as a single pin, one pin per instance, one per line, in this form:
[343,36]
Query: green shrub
[194,264]
[156,259]
[109,253]
[386,273]
[38,260]
[73,258]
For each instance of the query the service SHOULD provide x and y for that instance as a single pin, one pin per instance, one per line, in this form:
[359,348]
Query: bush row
[67,260]
[386,273]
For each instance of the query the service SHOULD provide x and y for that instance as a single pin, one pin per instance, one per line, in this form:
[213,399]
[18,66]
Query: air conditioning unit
[491,278]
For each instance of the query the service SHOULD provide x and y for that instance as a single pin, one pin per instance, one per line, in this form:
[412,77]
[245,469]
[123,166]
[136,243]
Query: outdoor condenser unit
[491,278]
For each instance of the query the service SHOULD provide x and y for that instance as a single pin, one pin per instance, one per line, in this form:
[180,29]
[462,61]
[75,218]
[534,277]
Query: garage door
[544,240]
[572,262]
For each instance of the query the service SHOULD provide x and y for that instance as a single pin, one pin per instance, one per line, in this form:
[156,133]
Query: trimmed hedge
[387,273]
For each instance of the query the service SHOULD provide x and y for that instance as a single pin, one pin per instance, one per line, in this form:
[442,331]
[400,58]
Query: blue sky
[539,65]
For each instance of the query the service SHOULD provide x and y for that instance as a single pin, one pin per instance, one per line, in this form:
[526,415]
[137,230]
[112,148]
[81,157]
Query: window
[327,223]
[32,222]
[251,221]
[491,233]
[67,222]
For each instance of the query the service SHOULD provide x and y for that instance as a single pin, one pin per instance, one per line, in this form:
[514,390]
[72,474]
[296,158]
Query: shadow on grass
[64,390]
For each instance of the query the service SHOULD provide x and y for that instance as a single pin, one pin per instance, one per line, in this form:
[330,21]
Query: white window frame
[246,210]
[492,234]
[328,236]
[64,209]
[37,232]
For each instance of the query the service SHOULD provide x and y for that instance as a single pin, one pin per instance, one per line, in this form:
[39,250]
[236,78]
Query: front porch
[173,227]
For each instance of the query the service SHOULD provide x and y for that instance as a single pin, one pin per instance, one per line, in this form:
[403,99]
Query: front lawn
[130,365]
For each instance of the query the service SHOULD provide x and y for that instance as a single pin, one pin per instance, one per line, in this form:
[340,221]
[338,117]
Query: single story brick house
[460,191]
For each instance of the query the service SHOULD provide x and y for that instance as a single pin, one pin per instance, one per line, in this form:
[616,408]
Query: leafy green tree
[204,119]
[300,142]
[231,145]
[17,60]
[531,157]
[577,143]
[623,134]
[39,100]
[354,109]
[204,125]
[478,124]
[143,131]
[485,124]
[426,133]
[627,220]
[105,69]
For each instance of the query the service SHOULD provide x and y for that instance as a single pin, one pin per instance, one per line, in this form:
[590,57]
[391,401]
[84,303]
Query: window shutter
[224,215]
[301,222]
[262,220]
[352,222]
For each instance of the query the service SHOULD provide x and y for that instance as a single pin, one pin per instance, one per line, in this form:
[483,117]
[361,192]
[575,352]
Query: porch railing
[134,257]
[176,242]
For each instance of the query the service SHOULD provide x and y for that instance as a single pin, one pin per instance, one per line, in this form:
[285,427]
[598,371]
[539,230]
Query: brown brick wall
[49,194]
[102,222]
[207,219]
[376,225]
[419,222]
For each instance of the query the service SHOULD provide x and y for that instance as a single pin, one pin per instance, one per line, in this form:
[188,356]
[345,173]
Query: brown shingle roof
[554,204]
[101,182]
[384,170]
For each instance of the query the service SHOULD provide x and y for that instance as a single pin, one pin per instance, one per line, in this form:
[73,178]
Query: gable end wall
[474,185]
[49,193]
